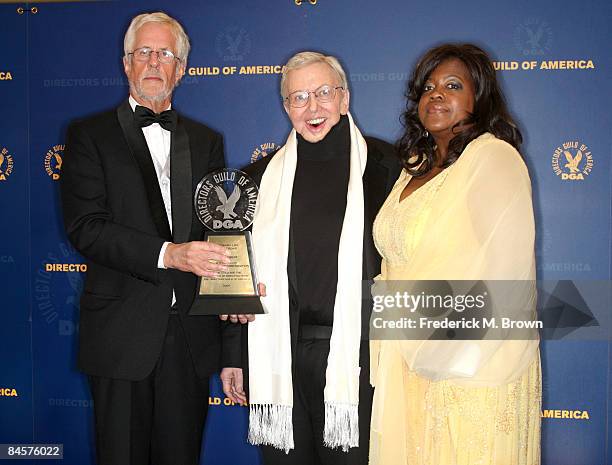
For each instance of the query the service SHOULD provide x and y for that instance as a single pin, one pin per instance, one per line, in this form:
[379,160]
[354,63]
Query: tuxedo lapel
[180,184]
[138,146]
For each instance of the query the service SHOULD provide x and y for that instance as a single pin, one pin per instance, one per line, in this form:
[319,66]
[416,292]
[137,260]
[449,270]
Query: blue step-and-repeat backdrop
[61,60]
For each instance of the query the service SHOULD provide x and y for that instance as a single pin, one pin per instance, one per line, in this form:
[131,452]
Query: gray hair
[301,59]
[182,41]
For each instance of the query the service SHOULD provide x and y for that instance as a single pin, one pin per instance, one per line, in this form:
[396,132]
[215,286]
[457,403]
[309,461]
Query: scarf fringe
[271,425]
[341,426]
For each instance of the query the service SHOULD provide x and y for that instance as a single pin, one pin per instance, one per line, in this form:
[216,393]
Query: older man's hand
[241,318]
[233,386]
[198,257]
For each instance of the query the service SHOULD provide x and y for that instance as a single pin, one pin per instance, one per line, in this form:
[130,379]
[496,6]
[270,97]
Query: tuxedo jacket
[115,217]
[381,172]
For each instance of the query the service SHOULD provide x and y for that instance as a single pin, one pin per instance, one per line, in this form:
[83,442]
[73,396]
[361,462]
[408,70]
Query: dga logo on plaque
[226,200]
[263,150]
[572,161]
[533,37]
[233,44]
[53,161]
[6,164]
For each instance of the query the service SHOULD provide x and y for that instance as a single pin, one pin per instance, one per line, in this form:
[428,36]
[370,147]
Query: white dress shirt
[158,141]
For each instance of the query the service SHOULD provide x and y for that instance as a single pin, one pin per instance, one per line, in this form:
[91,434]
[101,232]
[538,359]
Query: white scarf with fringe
[270,381]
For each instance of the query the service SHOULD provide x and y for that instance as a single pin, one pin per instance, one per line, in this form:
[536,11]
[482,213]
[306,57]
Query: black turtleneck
[317,212]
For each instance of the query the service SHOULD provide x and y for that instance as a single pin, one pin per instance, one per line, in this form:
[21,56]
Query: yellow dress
[472,221]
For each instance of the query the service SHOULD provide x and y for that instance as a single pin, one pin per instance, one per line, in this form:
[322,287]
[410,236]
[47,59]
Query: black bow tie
[146,117]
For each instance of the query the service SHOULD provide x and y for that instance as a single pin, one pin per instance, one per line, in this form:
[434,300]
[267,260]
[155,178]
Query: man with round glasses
[308,378]
[143,54]
[323,94]
[127,182]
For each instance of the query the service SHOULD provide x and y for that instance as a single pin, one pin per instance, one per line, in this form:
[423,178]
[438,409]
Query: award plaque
[225,204]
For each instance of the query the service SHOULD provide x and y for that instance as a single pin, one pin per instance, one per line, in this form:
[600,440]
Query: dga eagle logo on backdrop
[57,288]
[6,164]
[572,161]
[53,161]
[533,37]
[233,44]
[263,150]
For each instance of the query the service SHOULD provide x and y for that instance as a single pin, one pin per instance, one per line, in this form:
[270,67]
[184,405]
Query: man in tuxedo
[308,361]
[127,184]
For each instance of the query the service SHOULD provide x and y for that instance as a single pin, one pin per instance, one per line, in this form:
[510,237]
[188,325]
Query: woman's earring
[425,134]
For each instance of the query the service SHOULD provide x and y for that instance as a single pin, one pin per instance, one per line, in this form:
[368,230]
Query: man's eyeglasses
[323,94]
[143,54]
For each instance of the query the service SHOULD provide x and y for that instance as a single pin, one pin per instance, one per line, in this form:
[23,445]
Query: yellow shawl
[479,226]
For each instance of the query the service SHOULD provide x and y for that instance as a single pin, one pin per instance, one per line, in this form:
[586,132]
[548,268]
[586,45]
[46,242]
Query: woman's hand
[247,317]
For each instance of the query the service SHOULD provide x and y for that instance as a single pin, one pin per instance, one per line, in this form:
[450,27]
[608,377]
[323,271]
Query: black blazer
[114,216]
[381,172]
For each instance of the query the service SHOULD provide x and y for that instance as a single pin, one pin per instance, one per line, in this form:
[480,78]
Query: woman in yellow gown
[460,210]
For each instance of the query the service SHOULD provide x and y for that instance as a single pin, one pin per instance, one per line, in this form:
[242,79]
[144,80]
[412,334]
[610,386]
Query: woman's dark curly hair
[490,111]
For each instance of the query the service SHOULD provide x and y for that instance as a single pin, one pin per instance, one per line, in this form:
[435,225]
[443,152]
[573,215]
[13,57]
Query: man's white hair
[301,59]
[182,40]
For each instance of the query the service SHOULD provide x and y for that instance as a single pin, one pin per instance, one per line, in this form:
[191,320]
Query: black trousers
[309,412]
[158,420]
